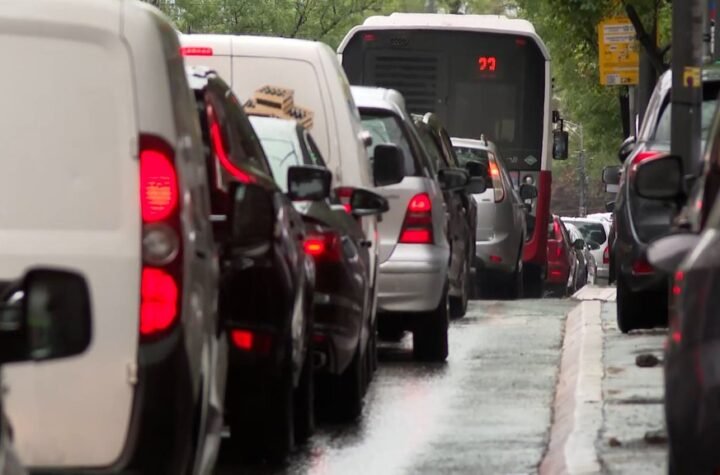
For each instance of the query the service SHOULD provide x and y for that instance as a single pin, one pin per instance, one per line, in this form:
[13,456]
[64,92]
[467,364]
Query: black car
[267,279]
[462,212]
[344,328]
[641,291]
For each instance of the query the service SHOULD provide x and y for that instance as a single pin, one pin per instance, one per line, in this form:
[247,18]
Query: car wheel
[533,285]
[629,307]
[459,304]
[389,329]
[371,353]
[346,390]
[430,338]
[304,401]
[515,285]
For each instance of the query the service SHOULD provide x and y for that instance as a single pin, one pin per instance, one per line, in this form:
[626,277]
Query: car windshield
[385,128]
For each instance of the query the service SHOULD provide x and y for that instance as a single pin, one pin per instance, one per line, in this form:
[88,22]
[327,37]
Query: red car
[561,259]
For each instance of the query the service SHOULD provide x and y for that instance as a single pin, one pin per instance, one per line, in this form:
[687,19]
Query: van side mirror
[611,175]
[452,179]
[47,315]
[660,178]
[367,203]
[667,253]
[561,139]
[388,164]
[308,183]
[610,206]
[626,148]
[251,220]
[528,192]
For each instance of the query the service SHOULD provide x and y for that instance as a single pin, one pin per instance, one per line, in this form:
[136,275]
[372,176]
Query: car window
[386,128]
[313,152]
[282,151]
[437,160]
[710,95]
[591,231]
[247,151]
[467,154]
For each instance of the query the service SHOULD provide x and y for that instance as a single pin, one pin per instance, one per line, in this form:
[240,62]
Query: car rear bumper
[603,271]
[557,274]
[497,254]
[413,278]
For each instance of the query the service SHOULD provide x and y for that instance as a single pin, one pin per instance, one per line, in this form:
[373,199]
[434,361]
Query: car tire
[390,330]
[430,338]
[304,401]
[629,307]
[347,390]
[515,288]
[459,304]
[533,285]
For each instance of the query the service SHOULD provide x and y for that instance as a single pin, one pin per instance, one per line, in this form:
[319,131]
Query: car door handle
[366,243]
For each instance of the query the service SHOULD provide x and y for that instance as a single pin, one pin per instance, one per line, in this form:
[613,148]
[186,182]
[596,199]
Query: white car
[104,172]
[596,230]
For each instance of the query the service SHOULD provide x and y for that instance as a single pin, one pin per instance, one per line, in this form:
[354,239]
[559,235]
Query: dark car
[462,213]
[690,258]
[641,292]
[562,263]
[344,327]
[267,279]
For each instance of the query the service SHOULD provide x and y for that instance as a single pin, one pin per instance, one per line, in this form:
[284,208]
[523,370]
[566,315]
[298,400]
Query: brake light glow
[641,157]
[496,259]
[218,146]
[368,37]
[679,277]
[251,341]
[324,246]
[196,51]
[497,183]
[606,255]
[641,267]
[556,273]
[158,186]
[417,226]
[242,339]
[344,193]
[159,296]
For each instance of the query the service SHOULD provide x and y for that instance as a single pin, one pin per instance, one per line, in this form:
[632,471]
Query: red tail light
[251,341]
[160,280]
[196,51]
[344,193]
[496,180]
[642,267]
[417,227]
[606,255]
[558,250]
[324,246]
[220,149]
[643,157]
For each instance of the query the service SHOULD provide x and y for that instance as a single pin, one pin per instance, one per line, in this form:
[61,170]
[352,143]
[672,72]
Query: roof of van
[88,13]
[441,21]
[378,98]
[247,45]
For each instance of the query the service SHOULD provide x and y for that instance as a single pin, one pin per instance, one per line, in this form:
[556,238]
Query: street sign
[619,52]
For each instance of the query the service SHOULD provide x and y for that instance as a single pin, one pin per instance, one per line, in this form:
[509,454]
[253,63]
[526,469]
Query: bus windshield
[479,84]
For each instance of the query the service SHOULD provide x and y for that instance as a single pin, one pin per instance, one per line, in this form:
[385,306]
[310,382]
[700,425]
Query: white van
[309,69]
[103,171]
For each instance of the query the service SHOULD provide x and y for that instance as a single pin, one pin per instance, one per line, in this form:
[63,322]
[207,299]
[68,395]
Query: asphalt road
[487,410]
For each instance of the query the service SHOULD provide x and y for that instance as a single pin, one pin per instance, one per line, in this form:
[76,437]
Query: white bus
[485,76]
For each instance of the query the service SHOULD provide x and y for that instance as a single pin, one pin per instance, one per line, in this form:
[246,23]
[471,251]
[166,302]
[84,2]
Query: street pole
[577,129]
[687,41]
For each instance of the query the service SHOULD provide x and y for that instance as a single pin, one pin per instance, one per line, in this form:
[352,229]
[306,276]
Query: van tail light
[161,275]
[418,227]
[642,267]
[323,246]
[344,193]
[196,51]
[606,255]
[496,180]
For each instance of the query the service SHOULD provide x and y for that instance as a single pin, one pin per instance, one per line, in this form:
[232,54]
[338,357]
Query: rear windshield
[591,231]
[469,154]
[386,128]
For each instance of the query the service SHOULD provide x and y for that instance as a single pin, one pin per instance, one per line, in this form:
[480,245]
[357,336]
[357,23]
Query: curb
[577,408]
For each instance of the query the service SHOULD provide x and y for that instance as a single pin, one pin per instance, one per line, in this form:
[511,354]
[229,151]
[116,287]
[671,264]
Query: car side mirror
[308,183]
[528,192]
[476,185]
[367,203]
[610,206]
[667,253]
[561,139]
[626,148]
[388,165]
[660,178]
[476,168]
[252,216]
[47,315]
[593,245]
[579,244]
[611,175]
[452,179]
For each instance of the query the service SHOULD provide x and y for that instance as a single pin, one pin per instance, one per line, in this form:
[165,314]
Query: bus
[486,77]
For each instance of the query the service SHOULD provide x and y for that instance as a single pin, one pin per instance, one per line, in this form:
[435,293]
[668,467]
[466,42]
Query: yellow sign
[691,77]
[619,52]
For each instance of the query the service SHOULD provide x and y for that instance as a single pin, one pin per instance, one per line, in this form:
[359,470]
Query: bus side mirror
[560,144]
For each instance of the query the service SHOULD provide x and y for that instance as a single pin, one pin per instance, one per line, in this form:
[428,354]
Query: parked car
[302,80]
[562,260]
[45,315]
[462,213]
[267,280]
[501,222]
[344,327]
[414,246]
[689,258]
[119,192]
[641,294]
[595,233]
[586,268]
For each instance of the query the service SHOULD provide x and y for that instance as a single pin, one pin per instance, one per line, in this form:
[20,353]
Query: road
[533,386]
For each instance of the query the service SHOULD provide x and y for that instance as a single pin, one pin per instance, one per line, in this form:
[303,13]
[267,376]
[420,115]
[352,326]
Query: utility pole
[577,129]
[687,43]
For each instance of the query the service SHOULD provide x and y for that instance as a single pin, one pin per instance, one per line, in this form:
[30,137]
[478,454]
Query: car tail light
[556,273]
[220,149]
[251,341]
[344,193]
[674,323]
[161,277]
[196,51]
[417,227]
[496,180]
[642,267]
[641,157]
[606,255]
[324,246]
[496,259]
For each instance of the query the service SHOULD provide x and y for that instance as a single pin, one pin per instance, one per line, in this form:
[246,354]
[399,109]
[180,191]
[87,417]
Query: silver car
[501,223]
[595,231]
[414,250]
